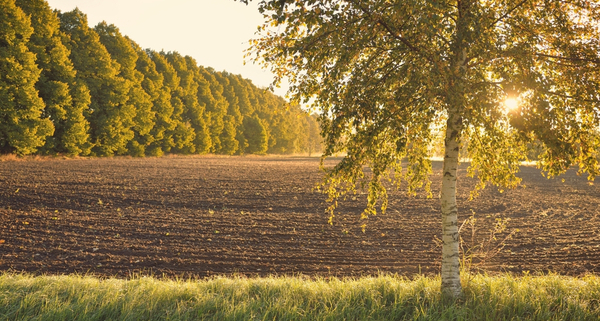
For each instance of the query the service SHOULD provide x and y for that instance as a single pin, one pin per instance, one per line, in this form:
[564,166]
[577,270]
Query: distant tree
[313,137]
[160,140]
[285,121]
[110,114]
[264,104]
[218,89]
[23,129]
[385,74]
[123,51]
[267,110]
[234,110]
[188,71]
[66,99]
[181,138]
[253,93]
[229,143]
[241,92]
[256,136]
[216,108]
[283,134]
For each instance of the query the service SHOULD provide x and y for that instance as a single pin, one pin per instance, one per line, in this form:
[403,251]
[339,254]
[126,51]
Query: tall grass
[504,297]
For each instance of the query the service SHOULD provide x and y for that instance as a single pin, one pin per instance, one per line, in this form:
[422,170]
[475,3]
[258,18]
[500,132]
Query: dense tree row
[71,89]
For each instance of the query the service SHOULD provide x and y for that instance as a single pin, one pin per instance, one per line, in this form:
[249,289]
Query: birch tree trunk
[451,286]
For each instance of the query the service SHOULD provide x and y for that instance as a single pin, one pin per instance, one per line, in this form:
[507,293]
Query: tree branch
[572,97]
[596,61]
[502,17]
[394,34]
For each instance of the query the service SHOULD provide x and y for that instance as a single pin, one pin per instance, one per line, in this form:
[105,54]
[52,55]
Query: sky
[214,32]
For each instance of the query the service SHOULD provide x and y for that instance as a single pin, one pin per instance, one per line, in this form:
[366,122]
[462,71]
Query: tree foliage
[111,113]
[24,127]
[124,52]
[255,135]
[153,84]
[66,99]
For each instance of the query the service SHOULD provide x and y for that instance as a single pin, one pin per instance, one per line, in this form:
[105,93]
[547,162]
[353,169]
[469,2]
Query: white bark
[450,248]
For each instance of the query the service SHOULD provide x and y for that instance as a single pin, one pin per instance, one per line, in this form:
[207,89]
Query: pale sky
[214,32]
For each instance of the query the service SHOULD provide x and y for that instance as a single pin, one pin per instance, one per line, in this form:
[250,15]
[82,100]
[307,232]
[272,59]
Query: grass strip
[501,297]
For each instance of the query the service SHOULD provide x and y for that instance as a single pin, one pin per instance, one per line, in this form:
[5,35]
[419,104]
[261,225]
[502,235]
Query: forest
[67,88]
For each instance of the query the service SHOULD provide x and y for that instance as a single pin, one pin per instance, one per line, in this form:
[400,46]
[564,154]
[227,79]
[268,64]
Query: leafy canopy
[384,75]
[23,129]
[66,99]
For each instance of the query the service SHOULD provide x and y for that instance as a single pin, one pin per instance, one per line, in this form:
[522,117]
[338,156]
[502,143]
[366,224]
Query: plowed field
[201,216]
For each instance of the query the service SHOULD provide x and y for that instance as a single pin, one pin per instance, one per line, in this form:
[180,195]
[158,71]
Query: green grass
[504,297]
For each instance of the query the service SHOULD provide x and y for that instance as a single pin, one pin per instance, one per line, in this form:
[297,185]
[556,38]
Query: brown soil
[201,216]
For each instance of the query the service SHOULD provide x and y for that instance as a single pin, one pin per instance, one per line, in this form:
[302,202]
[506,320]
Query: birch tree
[384,75]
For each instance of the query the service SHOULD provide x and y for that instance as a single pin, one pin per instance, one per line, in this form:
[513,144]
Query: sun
[511,104]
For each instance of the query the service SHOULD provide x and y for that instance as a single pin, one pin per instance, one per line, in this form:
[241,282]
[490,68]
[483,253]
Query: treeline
[66,88]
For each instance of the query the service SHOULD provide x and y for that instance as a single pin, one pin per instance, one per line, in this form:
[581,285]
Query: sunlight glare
[511,104]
